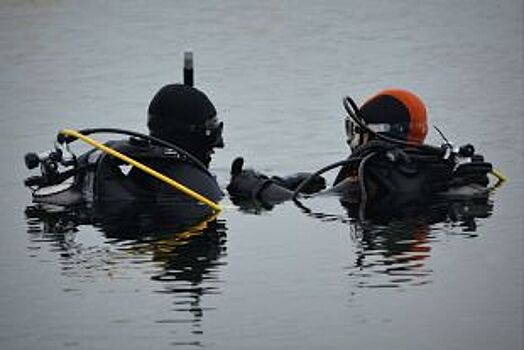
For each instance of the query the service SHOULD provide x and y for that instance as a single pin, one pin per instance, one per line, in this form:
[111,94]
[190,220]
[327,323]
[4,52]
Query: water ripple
[185,264]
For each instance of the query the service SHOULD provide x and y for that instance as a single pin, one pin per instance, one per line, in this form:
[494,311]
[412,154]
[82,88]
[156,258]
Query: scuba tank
[97,177]
[109,192]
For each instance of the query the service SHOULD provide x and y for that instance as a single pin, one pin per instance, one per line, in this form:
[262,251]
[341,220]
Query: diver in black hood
[168,166]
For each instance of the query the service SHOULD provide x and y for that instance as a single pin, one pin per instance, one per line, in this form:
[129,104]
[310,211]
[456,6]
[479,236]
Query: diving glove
[249,184]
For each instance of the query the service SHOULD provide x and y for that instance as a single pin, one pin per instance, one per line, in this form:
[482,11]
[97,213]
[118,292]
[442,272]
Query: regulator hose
[61,138]
[362,184]
[321,171]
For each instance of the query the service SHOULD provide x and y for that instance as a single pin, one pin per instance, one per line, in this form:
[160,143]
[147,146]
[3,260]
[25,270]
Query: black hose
[362,184]
[361,181]
[68,139]
[321,171]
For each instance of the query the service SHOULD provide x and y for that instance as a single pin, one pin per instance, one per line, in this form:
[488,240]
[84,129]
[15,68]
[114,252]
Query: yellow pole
[499,175]
[143,167]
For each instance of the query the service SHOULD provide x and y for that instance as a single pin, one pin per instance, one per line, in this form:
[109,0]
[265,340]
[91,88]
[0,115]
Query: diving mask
[209,132]
[355,133]
[212,130]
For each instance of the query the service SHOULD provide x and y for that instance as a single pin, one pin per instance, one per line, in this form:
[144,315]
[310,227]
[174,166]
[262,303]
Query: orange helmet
[397,113]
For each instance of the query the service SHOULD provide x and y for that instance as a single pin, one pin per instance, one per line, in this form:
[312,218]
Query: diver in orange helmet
[388,160]
[392,114]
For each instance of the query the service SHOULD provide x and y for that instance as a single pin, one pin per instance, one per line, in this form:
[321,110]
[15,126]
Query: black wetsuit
[112,181]
[114,189]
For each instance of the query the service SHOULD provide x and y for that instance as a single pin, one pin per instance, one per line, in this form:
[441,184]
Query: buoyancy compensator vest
[384,169]
[107,179]
[104,182]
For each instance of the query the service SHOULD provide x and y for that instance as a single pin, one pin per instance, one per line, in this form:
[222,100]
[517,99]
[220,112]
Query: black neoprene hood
[385,109]
[177,104]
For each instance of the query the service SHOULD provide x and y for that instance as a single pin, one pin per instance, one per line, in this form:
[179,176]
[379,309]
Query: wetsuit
[112,188]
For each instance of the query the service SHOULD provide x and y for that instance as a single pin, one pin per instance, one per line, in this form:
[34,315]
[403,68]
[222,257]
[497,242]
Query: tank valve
[32,160]
[467,150]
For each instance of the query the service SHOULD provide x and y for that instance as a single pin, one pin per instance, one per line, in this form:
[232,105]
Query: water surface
[283,278]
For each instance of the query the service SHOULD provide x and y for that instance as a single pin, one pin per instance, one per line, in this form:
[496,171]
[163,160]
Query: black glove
[246,184]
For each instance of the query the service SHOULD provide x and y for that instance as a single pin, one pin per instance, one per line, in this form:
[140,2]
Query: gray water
[280,279]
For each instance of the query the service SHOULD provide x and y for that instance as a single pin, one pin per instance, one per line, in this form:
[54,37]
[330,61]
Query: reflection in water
[186,259]
[393,237]
[189,261]
[393,248]
[392,255]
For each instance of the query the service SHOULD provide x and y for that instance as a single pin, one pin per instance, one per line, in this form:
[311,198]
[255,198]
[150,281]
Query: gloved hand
[245,183]
[256,187]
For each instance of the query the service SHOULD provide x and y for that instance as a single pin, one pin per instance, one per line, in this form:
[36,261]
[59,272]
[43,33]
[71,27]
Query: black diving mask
[212,130]
[209,132]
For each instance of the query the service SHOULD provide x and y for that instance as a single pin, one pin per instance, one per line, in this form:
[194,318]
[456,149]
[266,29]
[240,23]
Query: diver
[389,163]
[168,167]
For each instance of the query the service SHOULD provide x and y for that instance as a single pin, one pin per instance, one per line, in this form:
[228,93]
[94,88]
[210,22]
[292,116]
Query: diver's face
[213,132]
[355,136]
[214,138]
[354,142]
[358,140]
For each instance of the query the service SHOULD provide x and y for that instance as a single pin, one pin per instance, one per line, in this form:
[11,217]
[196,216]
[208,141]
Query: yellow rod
[143,167]
[499,175]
